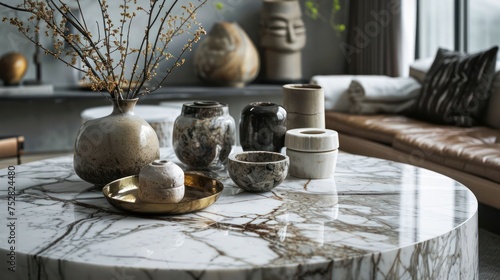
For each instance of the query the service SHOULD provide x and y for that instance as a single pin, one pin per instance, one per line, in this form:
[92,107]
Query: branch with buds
[105,55]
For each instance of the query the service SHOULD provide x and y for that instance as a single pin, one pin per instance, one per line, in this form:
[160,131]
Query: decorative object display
[123,65]
[161,181]
[115,146]
[201,191]
[203,135]
[227,56]
[313,152]
[13,67]
[258,171]
[283,35]
[305,106]
[262,127]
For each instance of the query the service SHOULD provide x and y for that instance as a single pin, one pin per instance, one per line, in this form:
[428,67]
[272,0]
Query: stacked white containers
[313,152]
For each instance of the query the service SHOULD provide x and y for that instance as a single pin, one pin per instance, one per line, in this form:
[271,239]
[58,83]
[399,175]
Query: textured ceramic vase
[227,56]
[203,135]
[13,66]
[305,106]
[263,127]
[114,146]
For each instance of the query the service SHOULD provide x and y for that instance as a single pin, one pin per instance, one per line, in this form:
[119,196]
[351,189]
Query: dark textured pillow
[456,89]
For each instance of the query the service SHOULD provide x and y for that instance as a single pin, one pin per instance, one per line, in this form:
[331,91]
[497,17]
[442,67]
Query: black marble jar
[263,127]
[203,135]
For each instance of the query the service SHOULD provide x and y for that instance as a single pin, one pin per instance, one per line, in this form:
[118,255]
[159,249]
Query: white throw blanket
[368,94]
[383,89]
[335,89]
[381,94]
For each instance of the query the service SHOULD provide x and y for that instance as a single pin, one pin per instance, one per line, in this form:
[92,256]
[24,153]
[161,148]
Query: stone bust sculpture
[283,36]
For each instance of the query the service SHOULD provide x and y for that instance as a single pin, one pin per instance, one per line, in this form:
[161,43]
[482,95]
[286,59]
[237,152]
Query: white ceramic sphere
[161,181]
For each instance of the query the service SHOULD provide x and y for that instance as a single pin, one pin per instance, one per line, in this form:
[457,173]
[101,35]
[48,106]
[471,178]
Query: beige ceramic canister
[227,56]
[305,106]
[313,152]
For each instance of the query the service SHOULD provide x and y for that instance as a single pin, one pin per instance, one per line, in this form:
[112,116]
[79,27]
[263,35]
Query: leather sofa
[469,155]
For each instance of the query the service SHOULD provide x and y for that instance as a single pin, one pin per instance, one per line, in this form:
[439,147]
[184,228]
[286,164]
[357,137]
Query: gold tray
[201,191]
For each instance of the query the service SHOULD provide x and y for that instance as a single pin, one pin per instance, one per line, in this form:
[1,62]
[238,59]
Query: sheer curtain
[436,26]
[381,38]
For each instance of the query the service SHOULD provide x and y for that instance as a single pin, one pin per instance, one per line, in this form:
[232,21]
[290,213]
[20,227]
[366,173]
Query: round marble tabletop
[374,219]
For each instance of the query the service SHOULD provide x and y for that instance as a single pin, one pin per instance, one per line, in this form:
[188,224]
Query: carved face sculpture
[282,28]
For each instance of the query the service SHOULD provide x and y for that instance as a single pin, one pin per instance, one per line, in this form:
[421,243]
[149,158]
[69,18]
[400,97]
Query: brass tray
[201,191]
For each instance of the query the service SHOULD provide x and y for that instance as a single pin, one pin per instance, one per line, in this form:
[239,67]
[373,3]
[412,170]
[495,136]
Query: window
[435,26]
[461,25]
[483,22]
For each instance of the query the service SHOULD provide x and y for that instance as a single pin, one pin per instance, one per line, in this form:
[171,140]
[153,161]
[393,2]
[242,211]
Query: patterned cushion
[456,88]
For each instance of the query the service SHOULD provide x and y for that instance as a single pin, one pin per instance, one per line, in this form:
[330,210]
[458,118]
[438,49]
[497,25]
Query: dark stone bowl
[258,171]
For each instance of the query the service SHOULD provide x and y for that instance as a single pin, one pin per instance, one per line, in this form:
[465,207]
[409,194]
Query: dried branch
[97,54]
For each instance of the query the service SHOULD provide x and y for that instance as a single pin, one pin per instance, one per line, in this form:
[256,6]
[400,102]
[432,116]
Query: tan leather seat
[474,150]
[379,128]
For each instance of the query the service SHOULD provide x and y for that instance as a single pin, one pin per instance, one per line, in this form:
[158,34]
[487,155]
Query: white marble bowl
[258,171]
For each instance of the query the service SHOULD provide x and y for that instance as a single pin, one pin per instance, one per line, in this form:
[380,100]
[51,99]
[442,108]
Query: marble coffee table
[375,219]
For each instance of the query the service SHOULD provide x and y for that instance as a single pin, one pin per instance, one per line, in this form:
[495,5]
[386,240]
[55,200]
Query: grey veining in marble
[374,219]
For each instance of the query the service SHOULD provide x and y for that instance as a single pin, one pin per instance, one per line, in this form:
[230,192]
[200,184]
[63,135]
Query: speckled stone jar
[203,135]
[114,146]
[263,127]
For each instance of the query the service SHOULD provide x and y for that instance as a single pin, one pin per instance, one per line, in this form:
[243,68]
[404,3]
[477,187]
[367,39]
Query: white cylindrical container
[313,152]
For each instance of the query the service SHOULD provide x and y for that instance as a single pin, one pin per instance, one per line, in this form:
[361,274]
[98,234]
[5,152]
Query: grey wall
[320,56]
[51,125]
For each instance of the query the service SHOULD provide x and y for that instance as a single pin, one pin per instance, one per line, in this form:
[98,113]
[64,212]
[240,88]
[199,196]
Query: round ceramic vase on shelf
[227,56]
[203,135]
[114,146]
[263,127]
[305,106]
[13,66]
